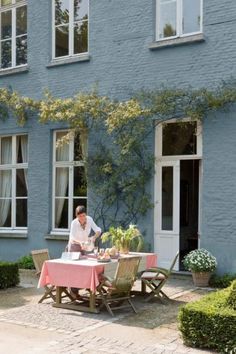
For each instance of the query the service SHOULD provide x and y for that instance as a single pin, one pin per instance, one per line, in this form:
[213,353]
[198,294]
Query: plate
[103,260]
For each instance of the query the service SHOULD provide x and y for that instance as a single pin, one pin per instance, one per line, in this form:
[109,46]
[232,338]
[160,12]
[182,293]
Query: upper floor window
[69,179]
[177,18]
[70,27]
[13,181]
[13,20]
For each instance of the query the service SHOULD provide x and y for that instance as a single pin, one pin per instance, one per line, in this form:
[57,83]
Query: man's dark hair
[80,210]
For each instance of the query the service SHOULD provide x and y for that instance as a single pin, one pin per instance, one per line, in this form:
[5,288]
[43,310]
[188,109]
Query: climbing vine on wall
[120,164]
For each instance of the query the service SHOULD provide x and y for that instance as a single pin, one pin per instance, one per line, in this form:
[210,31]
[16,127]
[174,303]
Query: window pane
[81,37]
[80,10]
[6,150]
[5,183]
[62,181]
[167,198]
[6,54]
[21,183]
[5,213]
[61,213]
[167,26]
[80,183]
[77,202]
[62,41]
[6,27]
[179,139]
[77,149]
[21,50]
[21,20]
[191,16]
[61,11]
[21,213]
[62,147]
[22,148]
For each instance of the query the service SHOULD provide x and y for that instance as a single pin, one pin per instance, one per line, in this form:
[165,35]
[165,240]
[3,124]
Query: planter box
[28,276]
[201,279]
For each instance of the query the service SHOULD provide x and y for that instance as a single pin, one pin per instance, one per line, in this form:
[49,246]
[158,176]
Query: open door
[167,232]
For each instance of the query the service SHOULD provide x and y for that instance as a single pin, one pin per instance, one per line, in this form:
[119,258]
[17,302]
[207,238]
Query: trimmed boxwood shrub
[9,275]
[221,281]
[231,301]
[26,262]
[210,323]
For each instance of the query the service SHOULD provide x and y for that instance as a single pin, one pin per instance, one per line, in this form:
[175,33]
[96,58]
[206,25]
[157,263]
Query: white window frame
[13,37]
[13,167]
[71,33]
[179,19]
[159,145]
[70,164]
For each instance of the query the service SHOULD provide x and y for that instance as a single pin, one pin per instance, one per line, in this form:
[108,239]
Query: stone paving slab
[153,330]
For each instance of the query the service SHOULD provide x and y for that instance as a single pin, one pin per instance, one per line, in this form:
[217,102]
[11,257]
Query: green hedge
[26,262]
[231,301]
[9,275]
[210,323]
[221,281]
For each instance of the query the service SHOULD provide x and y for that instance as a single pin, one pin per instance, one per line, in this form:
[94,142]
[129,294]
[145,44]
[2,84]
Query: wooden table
[83,274]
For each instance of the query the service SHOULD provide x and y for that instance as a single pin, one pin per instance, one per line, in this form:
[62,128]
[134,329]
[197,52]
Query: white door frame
[169,240]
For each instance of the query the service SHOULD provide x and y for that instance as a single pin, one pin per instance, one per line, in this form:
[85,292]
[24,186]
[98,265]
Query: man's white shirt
[80,234]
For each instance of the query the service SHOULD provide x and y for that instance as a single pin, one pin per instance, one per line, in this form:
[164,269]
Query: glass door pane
[167,198]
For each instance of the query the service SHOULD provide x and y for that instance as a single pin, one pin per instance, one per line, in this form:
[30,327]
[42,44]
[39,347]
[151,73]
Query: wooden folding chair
[113,292]
[39,257]
[155,278]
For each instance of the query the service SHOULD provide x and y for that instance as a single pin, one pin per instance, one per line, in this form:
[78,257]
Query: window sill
[16,70]
[70,60]
[57,236]
[13,235]
[196,38]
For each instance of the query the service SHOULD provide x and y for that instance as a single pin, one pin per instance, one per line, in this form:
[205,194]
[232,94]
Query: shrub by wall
[9,275]
[210,323]
[221,281]
[26,262]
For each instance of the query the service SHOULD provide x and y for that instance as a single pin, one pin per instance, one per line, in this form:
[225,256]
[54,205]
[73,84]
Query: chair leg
[48,294]
[132,305]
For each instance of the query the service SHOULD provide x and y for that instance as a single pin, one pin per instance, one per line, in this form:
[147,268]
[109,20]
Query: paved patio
[27,327]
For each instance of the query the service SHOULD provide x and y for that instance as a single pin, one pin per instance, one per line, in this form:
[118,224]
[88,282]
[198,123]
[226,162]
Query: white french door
[167,211]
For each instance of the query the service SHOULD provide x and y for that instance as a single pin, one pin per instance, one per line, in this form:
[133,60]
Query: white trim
[159,131]
[13,37]
[70,24]
[13,167]
[179,19]
[70,164]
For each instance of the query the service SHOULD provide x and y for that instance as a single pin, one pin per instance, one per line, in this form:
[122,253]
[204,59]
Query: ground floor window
[13,181]
[69,178]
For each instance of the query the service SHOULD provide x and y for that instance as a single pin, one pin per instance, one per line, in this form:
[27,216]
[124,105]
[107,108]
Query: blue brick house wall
[121,63]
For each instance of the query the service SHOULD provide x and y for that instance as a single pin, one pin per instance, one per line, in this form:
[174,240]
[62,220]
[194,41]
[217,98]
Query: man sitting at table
[80,230]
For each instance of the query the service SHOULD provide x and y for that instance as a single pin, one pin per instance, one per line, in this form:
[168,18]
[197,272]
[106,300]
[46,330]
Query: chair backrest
[126,273]
[39,257]
[173,263]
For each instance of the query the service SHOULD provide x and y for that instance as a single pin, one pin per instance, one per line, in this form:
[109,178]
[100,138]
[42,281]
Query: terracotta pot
[201,278]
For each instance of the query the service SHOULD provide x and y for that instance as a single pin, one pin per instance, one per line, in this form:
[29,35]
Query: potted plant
[123,239]
[201,263]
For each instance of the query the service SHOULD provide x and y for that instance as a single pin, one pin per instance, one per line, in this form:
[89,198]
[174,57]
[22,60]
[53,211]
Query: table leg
[143,288]
[58,295]
[92,304]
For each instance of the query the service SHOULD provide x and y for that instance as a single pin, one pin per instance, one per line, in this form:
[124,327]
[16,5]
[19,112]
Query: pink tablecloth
[151,260]
[82,274]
